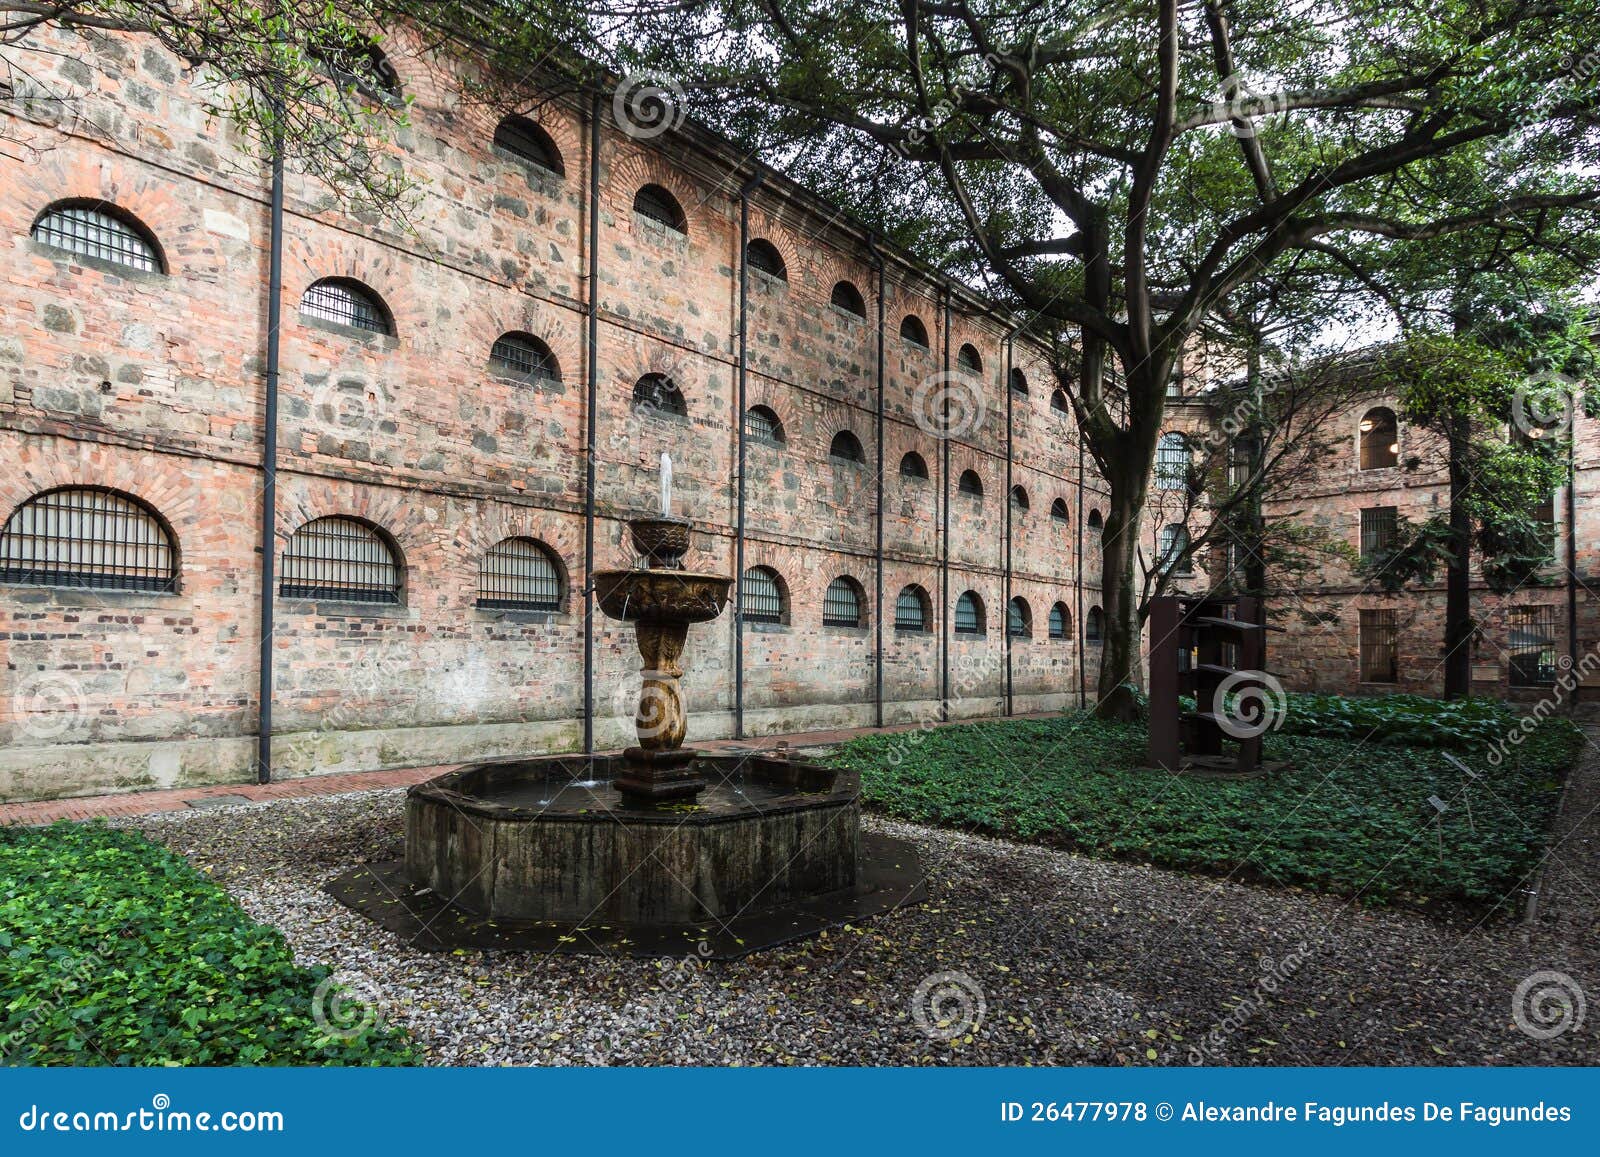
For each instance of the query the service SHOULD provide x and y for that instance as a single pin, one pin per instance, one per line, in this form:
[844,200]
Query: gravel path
[1075,961]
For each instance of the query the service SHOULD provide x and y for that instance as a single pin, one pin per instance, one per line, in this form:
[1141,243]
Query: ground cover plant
[1353,814]
[114,950]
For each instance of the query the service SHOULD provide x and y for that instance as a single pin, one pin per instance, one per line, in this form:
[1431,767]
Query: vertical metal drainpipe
[269,463]
[1006,586]
[944,538]
[745,190]
[591,422]
[1083,655]
[877,601]
[1572,564]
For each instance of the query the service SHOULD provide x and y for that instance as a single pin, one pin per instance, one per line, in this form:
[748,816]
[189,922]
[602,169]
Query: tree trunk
[1457,579]
[1121,666]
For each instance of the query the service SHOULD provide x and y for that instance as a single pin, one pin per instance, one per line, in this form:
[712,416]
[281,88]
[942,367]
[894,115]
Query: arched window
[520,139]
[1059,403]
[841,605]
[912,610]
[913,331]
[1174,542]
[1019,619]
[346,302]
[1019,382]
[761,596]
[1019,499]
[659,395]
[357,63]
[763,425]
[847,297]
[523,355]
[846,447]
[85,538]
[1060,622]
[763,256]
[1097,525]
[970,483]
[1059,511]
[1380,439]
[913,466]
[340,560]
[967,358]
[969,614]
[1173,462]
[658,205]
[101,231]
[519,574]
[1094,626]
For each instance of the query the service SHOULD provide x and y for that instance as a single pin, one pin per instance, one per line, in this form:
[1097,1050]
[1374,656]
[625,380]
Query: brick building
[431,506]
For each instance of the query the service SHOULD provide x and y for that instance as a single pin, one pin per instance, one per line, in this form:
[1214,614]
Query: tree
[1120,171]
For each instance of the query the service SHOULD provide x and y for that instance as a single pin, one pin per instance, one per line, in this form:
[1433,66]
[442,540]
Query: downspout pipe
[1011,705]
[878,596]
[1083,655]
[591,424]
[269,462]
[944,537]
[1572,565]
[745,191]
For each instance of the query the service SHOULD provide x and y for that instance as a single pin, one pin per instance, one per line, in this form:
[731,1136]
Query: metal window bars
[1378,526]
[519,574]
[1059,621]
[520,138]
[1019,622]
[95,233]
[87,539]
[969,615]
[657,393]
[760,597]
[911,611]
[1380,646]
[1173,460]
[762,425]
[841,605]
[345,304]
[1532,641]
[339,560]
[524,355]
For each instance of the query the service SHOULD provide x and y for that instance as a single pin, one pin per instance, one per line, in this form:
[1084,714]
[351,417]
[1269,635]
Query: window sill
[368,337]
[99,264]
[89,598]
[332,609]
[529,616]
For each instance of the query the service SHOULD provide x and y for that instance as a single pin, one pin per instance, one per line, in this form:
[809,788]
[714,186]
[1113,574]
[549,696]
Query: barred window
[660,395]
[525,356]
[1019,619]
[658,205]
[1097,525]
[88,539]
[1019,382]
[846,447]
[1380,439]
[1380,645]
[1544,516]
[519,574]
[967,358]
[762,425]
[913,466]
[1059,511]
[1059,403]
[970,483]
[359,64]
[1060,621]
[520,139]
[761,596]
[847,297]
[763,256]
[1378,529]
[969,614]
[346,302]
[912,609]
[841,606]
[1094,627]
[1172,462]
[1174,542]
[98,230]
[1019,498]
[913,331]
[340,560]
[1532,641]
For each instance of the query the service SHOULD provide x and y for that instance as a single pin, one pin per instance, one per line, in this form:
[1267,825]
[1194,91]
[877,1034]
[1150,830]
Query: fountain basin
[676,596]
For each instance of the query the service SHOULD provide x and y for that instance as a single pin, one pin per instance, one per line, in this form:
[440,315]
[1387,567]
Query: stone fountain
[658,850]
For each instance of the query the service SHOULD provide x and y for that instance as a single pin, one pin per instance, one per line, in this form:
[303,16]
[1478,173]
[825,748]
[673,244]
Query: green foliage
[1350,815]
[1418,550]
[114,950]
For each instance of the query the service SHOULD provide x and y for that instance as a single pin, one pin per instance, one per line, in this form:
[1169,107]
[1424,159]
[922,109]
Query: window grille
[1172,462]
[342,560]
[846,447]
[1059,511]
[93,232]
[1019,382]
[841,606]
[1380,639]
[1239,464]
[912,466]
[1532,641]
[524,355]
[762,425]
[967,358]
[1060,621]
[87,539]
[969,615]
[1019,620]
[760,596]
[1094,626]
[913,331]
[911,610]
[1174,541]
[1019,498]
[1378,529]
[970,483]
[763,256]
[519,574]
[659,393]
[346,303]
[1380,439]
[523,140]
[848,298]
[660,206]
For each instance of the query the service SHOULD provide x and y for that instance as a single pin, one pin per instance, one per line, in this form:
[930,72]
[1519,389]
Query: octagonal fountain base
[545,854]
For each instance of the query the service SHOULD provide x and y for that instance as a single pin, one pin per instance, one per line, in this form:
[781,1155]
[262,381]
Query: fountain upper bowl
[662,595]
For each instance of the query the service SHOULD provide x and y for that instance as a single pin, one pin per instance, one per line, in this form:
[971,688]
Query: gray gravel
[1077,962]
